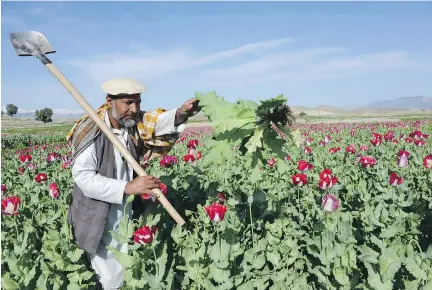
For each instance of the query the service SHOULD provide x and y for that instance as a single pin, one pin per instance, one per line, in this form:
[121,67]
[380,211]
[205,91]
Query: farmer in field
[102,178]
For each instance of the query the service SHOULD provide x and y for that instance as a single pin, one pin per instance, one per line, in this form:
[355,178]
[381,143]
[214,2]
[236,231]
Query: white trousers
[110,273]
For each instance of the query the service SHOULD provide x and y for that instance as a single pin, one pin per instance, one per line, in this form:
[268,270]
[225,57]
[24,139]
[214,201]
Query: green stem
[219,241]
[65,220]
[157,268]
[251,224]
[124,218]
[298,201]
[53,204]
[124,211]
[327,231]
[253,238]
[33,219]
[16,228]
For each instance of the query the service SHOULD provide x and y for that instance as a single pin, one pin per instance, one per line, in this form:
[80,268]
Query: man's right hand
[142,185]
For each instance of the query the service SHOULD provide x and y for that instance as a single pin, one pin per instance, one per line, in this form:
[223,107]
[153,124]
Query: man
[104,180]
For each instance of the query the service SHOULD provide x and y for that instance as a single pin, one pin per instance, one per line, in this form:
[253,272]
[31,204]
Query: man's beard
[128,123]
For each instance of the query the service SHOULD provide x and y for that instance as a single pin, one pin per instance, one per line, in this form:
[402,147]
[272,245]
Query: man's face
[125,109]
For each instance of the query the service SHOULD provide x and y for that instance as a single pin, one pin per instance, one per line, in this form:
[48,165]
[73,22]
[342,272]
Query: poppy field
[350,208]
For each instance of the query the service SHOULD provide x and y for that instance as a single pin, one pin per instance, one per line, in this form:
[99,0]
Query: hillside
[421,103]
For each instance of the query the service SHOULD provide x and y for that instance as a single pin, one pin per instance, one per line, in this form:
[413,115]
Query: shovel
[33,43]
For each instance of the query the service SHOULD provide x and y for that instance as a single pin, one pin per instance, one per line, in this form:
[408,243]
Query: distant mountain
[421,103]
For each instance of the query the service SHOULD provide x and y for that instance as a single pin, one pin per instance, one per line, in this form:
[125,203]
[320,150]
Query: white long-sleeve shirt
[106,189]
[95,186]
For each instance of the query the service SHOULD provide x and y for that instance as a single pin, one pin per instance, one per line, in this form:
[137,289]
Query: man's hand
[142,185]
[188,109]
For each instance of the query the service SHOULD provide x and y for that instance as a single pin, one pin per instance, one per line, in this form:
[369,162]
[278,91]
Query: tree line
[44,115]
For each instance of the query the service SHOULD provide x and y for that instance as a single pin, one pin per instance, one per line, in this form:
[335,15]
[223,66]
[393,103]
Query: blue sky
[339,54]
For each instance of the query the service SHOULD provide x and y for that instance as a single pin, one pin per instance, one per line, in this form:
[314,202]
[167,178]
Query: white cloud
[246,64]
[155,64]
[269,64]
[244,49]
[311,64]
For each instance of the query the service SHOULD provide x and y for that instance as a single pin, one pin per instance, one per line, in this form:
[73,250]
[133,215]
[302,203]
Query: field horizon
[325,114]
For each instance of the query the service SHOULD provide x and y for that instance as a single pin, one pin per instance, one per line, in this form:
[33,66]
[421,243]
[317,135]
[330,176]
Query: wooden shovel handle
[120,147]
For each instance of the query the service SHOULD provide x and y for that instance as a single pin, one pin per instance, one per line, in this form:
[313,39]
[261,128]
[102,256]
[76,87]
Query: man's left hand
[188,109]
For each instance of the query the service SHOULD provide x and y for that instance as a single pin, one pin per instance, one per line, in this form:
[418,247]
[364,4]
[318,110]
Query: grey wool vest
[88,216]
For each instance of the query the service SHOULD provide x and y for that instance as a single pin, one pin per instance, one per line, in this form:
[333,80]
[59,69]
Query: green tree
[44,115]
[11,109]
[303,114]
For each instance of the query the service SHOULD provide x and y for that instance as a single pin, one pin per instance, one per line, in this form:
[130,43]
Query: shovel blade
[30,43]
